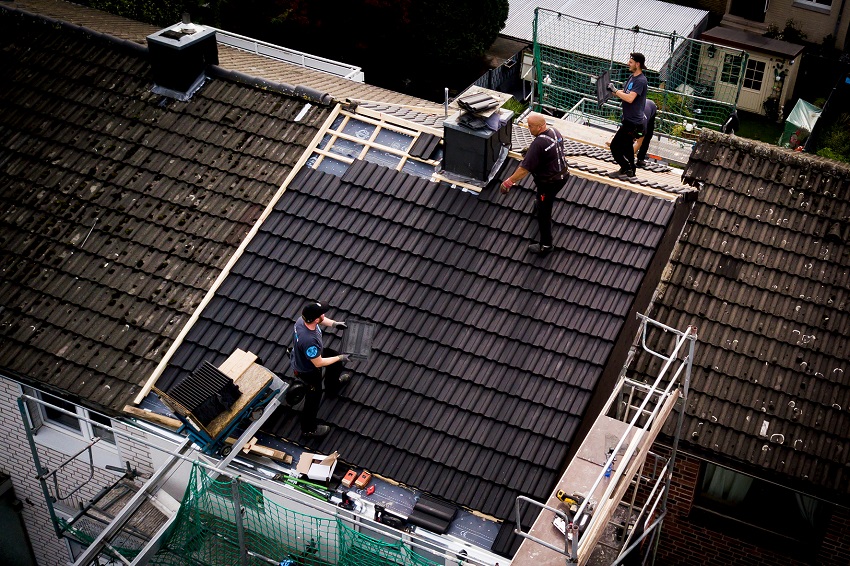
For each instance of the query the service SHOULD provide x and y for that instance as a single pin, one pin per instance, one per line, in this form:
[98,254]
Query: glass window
[754,75]
[758,511]
[102,433]
[827,3]
[731,68]
[57,417]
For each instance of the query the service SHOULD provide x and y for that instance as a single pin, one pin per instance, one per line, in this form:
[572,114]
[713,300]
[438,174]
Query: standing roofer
[634,102]
[642,143]
[546,162]
[309,357]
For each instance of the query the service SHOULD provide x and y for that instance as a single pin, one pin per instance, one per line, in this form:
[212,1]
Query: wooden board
[250,383]
[236,364]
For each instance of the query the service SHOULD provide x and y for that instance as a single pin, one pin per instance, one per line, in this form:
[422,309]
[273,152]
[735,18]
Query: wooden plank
[236,364]
[153,417]
[261,450]
[250,383]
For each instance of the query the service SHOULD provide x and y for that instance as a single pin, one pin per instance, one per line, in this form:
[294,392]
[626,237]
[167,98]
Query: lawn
[757,127]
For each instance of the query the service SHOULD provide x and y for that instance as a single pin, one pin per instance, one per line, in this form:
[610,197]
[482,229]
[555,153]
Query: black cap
[313,311]
[639,58]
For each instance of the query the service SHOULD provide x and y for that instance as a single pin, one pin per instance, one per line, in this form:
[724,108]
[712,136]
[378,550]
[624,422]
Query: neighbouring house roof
[763,272]
[652,15]
[485,358]
[119,207]
[749,41]
[230,58]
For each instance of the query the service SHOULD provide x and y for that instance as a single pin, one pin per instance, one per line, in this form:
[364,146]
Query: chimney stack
[179,58]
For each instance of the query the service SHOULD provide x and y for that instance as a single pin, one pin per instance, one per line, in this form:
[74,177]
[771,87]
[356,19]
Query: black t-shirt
[545,159]
[633,112]
[307,346]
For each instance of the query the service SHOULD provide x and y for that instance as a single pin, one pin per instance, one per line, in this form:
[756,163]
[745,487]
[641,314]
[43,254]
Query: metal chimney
[179,57]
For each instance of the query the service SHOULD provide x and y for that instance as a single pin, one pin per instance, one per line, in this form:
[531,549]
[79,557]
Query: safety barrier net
[220,521]
[691,81]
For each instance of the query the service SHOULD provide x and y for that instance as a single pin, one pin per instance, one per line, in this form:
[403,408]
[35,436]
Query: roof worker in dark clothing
[642,143]
[634,102]
[546,162]
[309,360]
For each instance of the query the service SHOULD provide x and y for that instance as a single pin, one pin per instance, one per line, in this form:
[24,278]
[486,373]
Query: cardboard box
[317,467]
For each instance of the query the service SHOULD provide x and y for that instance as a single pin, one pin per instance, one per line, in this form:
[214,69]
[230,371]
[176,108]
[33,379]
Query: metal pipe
[38,469]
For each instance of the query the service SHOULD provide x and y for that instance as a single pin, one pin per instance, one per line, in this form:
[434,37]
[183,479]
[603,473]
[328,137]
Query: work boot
[320,431]
[539,249]
[641,163]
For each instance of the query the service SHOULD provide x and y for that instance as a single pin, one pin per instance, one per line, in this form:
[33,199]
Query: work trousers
[647,137]
[546,193]
[313,380]
[622,146]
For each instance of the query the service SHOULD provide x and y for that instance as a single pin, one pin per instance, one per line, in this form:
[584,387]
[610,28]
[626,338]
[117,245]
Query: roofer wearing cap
[547,163]
[310,360]
[634,102]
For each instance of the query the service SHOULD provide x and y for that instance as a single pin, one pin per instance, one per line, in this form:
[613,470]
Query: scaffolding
[619,485]
[694,83]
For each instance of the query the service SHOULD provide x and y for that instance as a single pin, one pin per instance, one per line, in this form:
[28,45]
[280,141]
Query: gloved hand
[611,87]
[344,357]
[341,325]
[506,186]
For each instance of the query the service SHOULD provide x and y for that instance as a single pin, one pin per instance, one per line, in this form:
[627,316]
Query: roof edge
[117,41]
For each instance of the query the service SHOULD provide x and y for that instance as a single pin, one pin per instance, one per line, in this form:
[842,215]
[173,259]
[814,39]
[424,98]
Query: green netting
[87,529]
[692,82]
[206,532]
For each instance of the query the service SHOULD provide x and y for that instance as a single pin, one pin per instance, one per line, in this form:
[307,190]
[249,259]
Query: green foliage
[791,32]
[835,144]
[771,108]
[515,105]
[158,12]
[453,31]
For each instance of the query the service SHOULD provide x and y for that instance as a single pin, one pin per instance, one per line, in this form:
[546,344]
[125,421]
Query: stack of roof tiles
[484,357]
[119,208]
[763,272]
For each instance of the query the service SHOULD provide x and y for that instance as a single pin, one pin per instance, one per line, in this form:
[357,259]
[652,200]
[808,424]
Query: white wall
[54,446]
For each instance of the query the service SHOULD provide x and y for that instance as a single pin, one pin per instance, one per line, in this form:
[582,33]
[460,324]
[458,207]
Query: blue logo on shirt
[312,352]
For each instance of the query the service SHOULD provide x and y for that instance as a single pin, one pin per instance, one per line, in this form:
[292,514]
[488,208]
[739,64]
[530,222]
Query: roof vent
[477,138]
[179,57]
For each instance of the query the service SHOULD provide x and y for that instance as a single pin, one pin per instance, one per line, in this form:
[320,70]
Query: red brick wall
[684,543]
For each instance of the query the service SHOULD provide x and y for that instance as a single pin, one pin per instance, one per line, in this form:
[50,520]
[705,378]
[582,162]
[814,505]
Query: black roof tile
[117,211]
[483,360]
[768,293]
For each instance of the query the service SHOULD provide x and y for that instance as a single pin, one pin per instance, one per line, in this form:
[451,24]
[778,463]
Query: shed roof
[652,15]
[763,272]
[119,207]
[750,41]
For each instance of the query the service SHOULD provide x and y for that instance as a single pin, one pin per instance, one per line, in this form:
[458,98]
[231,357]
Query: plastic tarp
[799,124]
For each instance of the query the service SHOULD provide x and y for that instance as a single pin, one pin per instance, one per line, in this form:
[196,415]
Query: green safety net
[695,84]
[207,532]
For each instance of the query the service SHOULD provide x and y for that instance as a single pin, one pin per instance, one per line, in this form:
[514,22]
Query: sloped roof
[119,208]
[229,58]
[763,271]
[484,357]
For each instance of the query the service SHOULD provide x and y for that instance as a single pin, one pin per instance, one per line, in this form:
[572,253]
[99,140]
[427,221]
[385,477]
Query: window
[65,421]
[754,75]
[760,512]
[815,3]
[731,68]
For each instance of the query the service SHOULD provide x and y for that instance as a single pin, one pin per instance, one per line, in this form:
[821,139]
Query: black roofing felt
[118,208]
[484,357]
[763,271]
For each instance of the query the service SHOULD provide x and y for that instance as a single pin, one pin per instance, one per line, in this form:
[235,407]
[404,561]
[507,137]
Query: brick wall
[684,543]
[16,461]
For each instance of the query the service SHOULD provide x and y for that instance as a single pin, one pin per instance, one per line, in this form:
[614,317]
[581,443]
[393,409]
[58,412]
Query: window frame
[86,430]
[750,74]
[717,515]
[732,75]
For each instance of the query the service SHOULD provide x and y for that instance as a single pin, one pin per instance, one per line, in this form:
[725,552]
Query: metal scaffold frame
[637,411]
